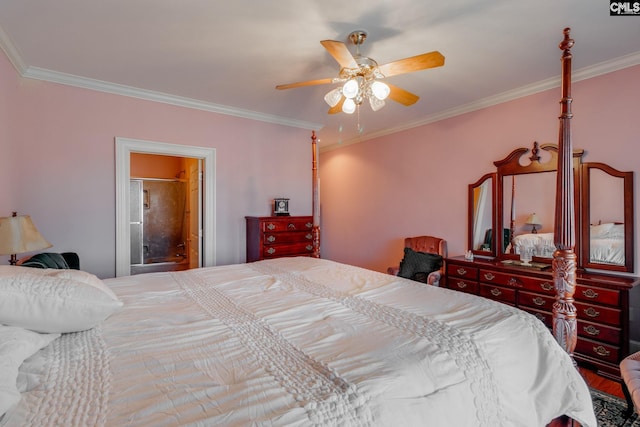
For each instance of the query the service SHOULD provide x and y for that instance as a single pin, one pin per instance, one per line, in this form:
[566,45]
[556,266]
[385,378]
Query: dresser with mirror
[511,226]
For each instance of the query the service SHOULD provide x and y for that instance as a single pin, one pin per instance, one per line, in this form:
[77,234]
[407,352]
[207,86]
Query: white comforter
[298,342]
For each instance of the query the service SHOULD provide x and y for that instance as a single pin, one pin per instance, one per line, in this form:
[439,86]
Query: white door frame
[124,148]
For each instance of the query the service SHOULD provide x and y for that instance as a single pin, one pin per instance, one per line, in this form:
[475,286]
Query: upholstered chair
[630,372]
[414,246]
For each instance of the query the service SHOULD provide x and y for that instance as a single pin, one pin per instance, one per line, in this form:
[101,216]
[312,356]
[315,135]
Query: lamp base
[13,260]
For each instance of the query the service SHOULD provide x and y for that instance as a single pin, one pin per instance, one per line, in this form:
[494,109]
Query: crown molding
[149,95]
[531,89]
[82,82]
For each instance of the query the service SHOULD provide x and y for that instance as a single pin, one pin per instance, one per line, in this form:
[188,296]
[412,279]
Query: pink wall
[415,182]
[60,163]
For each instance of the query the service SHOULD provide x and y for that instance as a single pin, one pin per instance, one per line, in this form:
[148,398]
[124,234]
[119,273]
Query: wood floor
[600,383]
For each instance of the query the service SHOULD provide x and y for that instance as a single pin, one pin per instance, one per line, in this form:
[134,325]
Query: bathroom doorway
[165,213]
[196,174]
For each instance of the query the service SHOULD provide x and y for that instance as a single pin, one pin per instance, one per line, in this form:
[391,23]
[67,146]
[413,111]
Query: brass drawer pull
[546,286]
[591,330]
[309,225]
[489,276]
[308,236]
[271,226]
[540,317]
[462,285]
[271,238]
[592,312]
[271,251]
[539,301]
[513,282]
[590,293]
[461,271]
[291,226]
[601,351]
[309,247]
[496,292]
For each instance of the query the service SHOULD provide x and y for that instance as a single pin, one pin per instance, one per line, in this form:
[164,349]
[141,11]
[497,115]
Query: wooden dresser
[602,302]
[278,236]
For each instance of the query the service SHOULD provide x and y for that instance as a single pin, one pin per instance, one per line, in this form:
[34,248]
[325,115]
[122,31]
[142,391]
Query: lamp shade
[18,234]
[533,220]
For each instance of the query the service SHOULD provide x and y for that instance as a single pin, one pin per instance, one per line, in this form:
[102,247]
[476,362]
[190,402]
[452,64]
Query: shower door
[158,229]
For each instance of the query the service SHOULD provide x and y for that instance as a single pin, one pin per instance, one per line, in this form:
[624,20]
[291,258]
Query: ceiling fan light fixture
[333,97]
[380,90]
[349,106]
[351,88]
[376,103]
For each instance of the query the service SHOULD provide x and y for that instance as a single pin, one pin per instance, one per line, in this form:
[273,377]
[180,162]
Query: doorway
[204,254]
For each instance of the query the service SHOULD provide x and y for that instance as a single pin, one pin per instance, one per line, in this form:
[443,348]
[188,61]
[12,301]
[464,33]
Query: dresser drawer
[462,285]
[275,251]
[544,286]
[463,271]
[599,332]
[287,224]
[598,295]
[505,279]
[537,301]
[596,313]
[498,293]
[287,237]
[598,350]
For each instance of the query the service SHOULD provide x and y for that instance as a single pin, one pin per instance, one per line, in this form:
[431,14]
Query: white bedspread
[298,342]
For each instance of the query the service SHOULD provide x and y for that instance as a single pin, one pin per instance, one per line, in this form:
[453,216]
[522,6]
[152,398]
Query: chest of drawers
[601,301]
[278,236]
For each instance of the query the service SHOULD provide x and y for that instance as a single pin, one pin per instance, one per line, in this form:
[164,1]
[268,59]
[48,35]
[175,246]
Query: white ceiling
[228,56]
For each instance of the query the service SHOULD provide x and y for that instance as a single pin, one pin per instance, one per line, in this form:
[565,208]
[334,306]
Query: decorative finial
[567,43]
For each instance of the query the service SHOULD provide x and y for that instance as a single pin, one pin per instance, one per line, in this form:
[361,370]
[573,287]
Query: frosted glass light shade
[349,106]
[350,89]
[380,90]
[375,103]
[333,97]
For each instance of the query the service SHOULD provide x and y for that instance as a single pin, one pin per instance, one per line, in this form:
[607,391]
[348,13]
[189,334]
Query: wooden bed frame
[564,258]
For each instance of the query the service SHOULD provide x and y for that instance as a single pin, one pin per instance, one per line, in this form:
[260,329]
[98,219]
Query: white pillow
[16,345]
[54,301]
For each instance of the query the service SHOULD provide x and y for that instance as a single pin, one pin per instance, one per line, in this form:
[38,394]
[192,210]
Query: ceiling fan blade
[306,83]
[414,63]
[402,96]
[340,53]
[338,107]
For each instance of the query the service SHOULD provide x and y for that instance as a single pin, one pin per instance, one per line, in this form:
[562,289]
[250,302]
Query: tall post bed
[292,341]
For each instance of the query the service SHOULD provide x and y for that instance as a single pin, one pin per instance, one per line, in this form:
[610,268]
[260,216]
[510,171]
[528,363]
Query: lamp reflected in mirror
[534,222]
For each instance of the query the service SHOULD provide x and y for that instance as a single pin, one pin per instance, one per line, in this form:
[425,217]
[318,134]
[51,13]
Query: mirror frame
[471,215]
[511,165]
[629,233]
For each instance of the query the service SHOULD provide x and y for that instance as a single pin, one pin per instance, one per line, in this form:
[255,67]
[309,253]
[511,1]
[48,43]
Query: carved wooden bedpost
[564,257]
[316,197]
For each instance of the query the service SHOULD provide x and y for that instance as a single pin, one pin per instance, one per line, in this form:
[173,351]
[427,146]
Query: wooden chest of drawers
[601,300]
[278,236]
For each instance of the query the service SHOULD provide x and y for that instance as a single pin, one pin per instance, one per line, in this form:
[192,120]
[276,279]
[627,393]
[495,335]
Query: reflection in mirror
[481,215]
[609,217]
[523,196]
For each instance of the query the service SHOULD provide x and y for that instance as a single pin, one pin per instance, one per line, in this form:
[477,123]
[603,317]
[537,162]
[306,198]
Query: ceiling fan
[361,77]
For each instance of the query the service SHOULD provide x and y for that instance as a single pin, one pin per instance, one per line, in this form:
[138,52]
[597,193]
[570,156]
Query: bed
[295,342]
[607,245]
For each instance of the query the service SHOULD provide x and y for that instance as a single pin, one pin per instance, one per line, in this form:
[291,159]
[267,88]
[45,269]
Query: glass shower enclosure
[159,232]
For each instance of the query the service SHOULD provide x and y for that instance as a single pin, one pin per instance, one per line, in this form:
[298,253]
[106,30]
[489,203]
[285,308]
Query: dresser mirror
[608,212]
[482,196]
[525,184]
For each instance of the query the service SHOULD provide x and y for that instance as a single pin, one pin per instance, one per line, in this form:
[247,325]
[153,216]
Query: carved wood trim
[564,258]
[315,186]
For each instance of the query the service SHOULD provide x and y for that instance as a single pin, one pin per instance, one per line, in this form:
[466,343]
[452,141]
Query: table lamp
[534,222]
[18,234]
